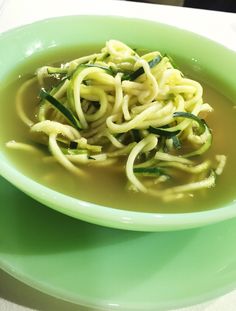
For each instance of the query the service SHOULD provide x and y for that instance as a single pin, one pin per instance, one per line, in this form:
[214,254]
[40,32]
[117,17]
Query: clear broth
[107,186]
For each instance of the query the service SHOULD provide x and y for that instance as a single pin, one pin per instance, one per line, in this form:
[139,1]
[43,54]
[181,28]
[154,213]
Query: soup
[107,184]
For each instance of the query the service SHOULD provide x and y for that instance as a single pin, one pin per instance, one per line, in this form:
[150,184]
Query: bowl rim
[104,215]
[112,217]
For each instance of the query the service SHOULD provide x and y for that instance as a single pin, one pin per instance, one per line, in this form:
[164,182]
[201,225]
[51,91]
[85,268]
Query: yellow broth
[108,185]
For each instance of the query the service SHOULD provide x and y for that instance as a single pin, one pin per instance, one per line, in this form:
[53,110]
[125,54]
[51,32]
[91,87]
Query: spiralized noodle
[117,106]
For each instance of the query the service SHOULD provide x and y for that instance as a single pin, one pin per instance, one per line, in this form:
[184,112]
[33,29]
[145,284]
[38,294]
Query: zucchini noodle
[138,112]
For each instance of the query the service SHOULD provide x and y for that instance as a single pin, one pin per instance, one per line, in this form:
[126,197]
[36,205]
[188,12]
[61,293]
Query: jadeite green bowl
[201,54]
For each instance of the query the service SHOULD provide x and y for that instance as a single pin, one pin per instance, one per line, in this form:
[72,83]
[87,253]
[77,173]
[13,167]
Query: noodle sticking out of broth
[116,107]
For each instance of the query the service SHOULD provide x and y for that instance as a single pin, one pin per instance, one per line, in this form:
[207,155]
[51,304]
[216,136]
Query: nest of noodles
[117,106]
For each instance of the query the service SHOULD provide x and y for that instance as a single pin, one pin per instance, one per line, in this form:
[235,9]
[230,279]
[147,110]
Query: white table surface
[219,26]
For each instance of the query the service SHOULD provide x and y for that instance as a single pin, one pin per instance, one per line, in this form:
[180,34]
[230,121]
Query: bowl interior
[203,57]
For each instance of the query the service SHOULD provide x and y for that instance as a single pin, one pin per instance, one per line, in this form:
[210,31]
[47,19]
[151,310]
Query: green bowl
[202,55]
